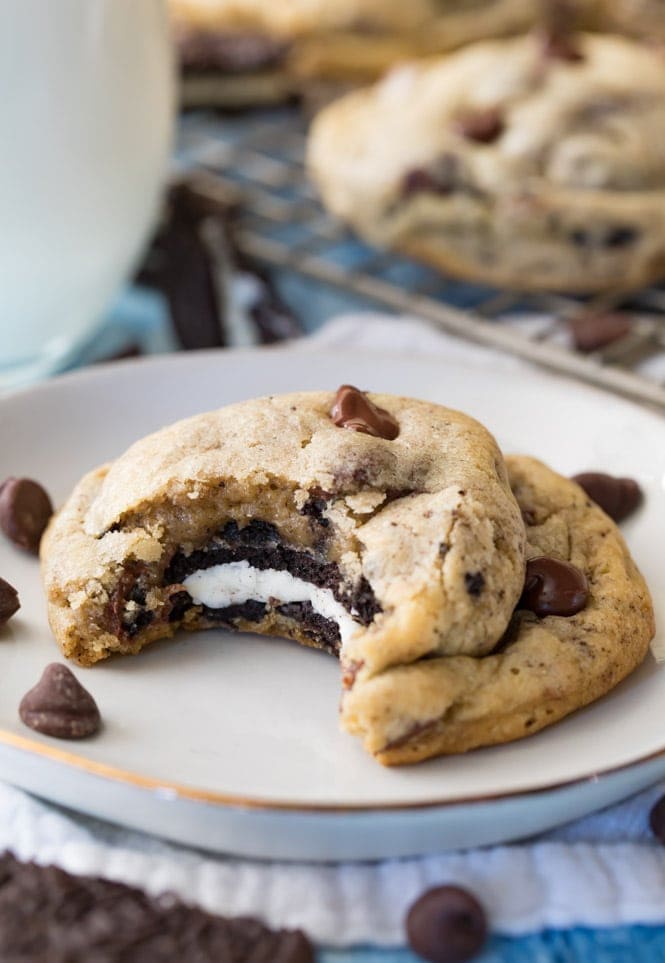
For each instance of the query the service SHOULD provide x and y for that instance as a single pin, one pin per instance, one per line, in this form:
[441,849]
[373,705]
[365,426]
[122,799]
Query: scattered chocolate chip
[474,582]
[25,510]
[352,409]
[446,925]
[618,497]
[9,602]
[553,587]
[657,820]
[442,176]
[59,706]
[482,126]
[594,331]
[49,916]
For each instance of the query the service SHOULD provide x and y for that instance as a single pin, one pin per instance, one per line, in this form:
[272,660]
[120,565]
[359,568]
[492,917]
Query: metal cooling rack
[256,165]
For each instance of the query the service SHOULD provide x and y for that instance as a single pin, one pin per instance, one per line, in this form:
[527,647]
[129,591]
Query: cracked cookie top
[417,535]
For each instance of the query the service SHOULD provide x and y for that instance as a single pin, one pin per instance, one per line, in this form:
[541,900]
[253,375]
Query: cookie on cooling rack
[584,622]
[239,52]
[530,163]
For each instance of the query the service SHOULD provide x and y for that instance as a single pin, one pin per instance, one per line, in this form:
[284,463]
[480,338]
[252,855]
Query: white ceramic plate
[231,742]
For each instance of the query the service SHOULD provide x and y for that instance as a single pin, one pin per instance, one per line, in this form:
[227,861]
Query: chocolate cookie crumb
[9,602]
[474,583]
[59,706]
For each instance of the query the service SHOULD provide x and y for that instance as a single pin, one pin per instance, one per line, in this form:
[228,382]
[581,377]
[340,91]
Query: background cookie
[527,163]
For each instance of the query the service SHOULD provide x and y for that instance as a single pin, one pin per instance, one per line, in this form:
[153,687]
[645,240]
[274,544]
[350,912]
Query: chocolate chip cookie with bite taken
[529,163]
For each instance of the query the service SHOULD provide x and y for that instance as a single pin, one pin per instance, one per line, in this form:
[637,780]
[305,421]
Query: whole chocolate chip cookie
[575,634]
[382,530]
[531,163]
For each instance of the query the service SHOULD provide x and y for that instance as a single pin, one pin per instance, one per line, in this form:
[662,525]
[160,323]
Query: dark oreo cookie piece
[59,706]
[618,497]
[9,602]
[47,915]
[25,510]
[446,925]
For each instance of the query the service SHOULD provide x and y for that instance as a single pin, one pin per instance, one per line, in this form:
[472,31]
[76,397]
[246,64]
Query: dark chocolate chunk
[9,602]
[49,916]
[553,587]
[594,331]
[59,706]
[657,820]
[482,126]
[352,409]
[446,925]
[618,497]
[25,510]
[474,582]
[440,177]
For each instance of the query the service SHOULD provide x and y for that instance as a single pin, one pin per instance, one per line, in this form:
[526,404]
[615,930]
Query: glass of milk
[86,114]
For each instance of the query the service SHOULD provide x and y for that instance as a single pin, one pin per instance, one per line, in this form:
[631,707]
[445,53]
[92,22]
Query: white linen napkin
[604,870]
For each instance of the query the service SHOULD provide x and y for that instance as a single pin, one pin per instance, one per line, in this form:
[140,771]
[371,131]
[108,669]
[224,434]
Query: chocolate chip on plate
[352,409]
[446,925]
[48,915]
[483,126]
[9,602]
[25,510]
[618,497]
[657,819]
[59,706]
[553,587]
[590,332]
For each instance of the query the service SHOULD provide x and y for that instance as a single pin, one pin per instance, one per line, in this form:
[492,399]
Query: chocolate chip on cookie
[483,126]
[618,497]
[553,587]
[9,602]
[25,510]
[352,409]
[446,925]
[59,706]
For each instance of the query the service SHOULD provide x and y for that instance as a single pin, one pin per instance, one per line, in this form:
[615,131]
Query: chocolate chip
[657,820]
[9,602]
[50,916]
[59,706]
[482,126]
[352,409]
[594,331]
[446,925]
[474,582]
[618,497]
[621,236]
[440,177]
[557,32]
[553,587]
[25,510]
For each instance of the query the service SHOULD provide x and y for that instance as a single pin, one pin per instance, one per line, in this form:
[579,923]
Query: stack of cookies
[470,599]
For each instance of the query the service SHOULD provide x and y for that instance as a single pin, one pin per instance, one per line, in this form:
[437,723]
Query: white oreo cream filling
[237,582]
